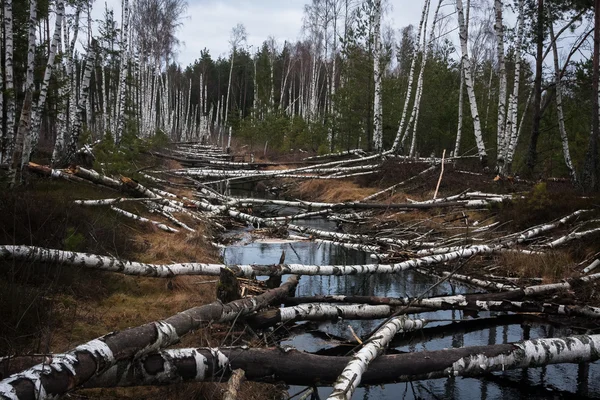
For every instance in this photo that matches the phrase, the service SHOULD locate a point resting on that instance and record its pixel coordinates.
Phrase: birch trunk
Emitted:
(277, 364)
(81, 105)
(321, 312)
(460, 110)
(501, 135)
(377, 105)
(513, 131)
(559, 110)
(351, 376)
(400, 134)
(36, 114)
(8, 144)
(107, 263)
(426, 50)
(24, 129)
(469, 83)
(124, 59)
(66, 91)
(226, 112)
(97, 356)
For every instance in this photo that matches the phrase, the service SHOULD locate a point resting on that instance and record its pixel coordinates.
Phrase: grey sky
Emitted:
(209, 22)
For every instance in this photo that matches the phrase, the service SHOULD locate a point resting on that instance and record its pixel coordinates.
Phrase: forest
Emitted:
(513, 89)
(365, 211)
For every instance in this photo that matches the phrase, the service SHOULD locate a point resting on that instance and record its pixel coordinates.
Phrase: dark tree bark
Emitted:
(537, 111)
(298, 368)
(590, 173)
(99, 355)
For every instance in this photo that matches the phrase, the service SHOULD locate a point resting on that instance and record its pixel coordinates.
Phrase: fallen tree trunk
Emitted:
(298, 368)
(14, 364)
(77, 367)
(320, 312)
(113, 264)
(135, 217)
(352, 374)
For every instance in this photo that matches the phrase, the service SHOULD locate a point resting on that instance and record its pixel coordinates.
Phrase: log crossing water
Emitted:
(555, 381)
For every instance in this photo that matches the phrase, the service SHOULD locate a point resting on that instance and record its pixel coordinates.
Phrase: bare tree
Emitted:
(238, 37)
(155, 24)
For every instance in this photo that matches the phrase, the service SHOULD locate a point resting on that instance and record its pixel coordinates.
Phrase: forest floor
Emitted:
(52, 309)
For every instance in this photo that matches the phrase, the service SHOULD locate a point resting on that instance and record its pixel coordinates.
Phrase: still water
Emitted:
(556, 382)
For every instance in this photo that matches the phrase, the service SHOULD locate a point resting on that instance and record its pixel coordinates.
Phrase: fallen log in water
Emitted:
(352, 374)
(320, 312)
(298, 368)
(13, 364)
(113, 264)
(44, 381)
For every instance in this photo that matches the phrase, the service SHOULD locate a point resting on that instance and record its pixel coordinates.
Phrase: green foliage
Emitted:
(112, 158)
(73, 241)
(282, 133)
(537, 200)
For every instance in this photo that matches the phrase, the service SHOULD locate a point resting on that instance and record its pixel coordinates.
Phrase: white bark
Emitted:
(501, 135)
(400, 134)
(480, 282)
(512, 133)
(414, 119)
(36, 114)
(377, 75)
(393, 187)
(9, 91)
(591, 267)
(24, 129)
(81, 104)
(124, 60)
(159, 225)
(571, 236)
(559, 111)
(351, 376)
(226, 111)
(469, 82)
(460, 110)
(113, 264)
(321, 312)
(527, 354)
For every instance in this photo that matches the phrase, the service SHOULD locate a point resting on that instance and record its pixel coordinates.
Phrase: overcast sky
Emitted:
(208, 23)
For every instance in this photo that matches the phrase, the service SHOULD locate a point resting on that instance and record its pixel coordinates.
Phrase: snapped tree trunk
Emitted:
(91, 359)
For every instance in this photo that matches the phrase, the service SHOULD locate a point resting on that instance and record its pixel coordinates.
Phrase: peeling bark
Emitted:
(299, 368)
(352, 374)
(45, 381)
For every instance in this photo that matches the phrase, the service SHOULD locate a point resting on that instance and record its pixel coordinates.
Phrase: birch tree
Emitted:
(501, 135)
(36, 113)
(8, 140)
(401, 128)
(462, 27)
(237, 38)
(122, 73)
(559, 109)
(377, 105)
(24, 131)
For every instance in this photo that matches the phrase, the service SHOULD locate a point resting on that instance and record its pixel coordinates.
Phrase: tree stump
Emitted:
(228, 288)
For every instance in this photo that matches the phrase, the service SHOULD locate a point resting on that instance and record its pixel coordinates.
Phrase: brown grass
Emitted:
(551, 267)
(331, 191)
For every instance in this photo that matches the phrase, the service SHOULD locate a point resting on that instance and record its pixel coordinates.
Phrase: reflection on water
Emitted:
(555, 381)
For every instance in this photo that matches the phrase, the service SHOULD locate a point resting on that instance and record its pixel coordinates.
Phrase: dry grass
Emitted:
(551, 267)
(331, 191)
